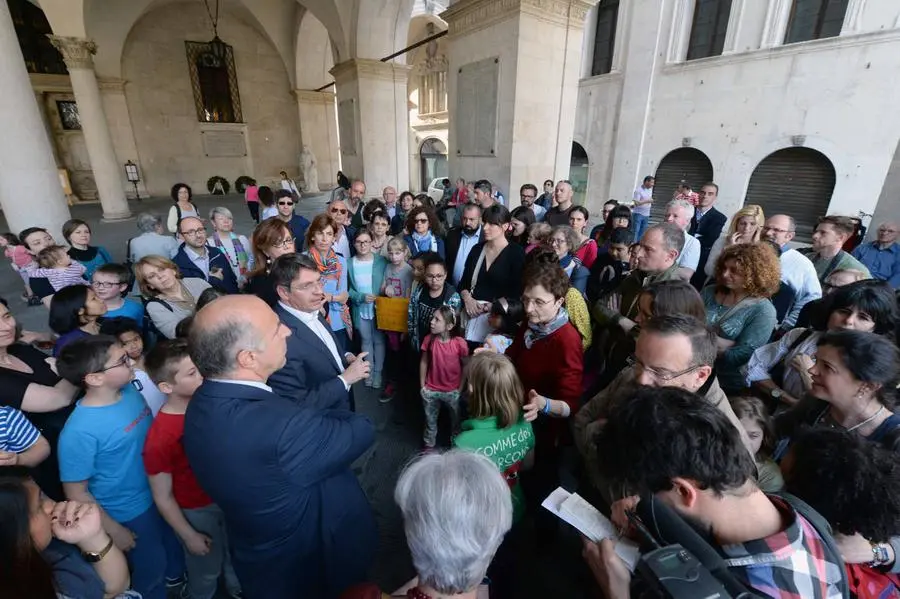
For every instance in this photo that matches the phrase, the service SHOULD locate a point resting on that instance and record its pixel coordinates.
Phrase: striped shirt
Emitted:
(17, 434)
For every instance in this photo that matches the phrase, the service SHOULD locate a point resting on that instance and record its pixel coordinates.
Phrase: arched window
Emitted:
(815, 19)
(433, 156)
(683, 164)
(579, 166)
(793, 181)
(214, 81)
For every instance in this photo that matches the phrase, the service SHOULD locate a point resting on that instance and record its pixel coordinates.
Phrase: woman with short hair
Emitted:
(564, 241)
(168, 297)
(333, 267)
(235, 247)
(271, 238)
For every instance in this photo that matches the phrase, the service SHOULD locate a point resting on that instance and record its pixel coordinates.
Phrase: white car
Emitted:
(436, 189)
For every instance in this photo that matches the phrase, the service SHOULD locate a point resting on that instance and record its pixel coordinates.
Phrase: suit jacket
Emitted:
(217, 259)
(707, 231)
(298, 522)
(309, 376)
(452, 243)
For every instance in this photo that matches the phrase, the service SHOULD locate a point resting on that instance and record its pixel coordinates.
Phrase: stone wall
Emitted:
(161, 103)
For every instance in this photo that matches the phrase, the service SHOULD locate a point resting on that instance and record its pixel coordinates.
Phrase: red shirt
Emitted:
(164, 452)
(553, 367)
(444, 362)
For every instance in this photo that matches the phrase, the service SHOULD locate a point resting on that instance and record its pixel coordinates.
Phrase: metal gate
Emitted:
(683, 164)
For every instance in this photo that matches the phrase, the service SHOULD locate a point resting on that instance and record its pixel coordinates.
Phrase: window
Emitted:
(433, 92)
(605, 37)
(214, 82)
(68, 115)
(815, 19)
(708, 28)
(32, 30)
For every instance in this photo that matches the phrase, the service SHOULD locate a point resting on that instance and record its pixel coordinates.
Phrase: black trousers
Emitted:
(254, 211)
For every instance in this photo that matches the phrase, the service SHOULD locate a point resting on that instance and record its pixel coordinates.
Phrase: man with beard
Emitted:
(460, 241)
(528, 197)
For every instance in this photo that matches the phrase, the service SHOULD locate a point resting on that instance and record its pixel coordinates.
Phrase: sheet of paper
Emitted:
(573, 509)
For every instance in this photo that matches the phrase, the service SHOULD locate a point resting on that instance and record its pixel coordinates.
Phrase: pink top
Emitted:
(445, 366)
(19, 255)
(251, 193)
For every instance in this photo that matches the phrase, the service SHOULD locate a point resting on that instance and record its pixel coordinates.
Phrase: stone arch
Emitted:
(796, 181)
(681, 164)
(315, 53)
(433, 159)
(380, 28)
(579, 172)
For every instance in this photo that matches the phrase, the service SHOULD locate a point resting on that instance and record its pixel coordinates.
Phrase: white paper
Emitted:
(573, 509)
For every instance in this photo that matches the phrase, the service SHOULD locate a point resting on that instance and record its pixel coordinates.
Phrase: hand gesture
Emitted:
(618, 509)
(608, 569)
(736, 238)
(370, 299)
(614, 302)
(536, 403)
(198, 543)
(358, 369)
(75, 523)
(8, 458)
(471, 305)
(802, 363)
(389, 291)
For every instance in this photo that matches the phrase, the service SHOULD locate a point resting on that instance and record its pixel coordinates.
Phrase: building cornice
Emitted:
(77, 52)
(309, 96)
(468, 16)
(364, 68)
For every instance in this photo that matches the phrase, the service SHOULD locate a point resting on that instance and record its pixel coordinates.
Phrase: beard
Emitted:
(469, 230)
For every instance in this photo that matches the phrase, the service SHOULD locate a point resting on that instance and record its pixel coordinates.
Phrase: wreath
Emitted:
(222, 182)
(242, 182)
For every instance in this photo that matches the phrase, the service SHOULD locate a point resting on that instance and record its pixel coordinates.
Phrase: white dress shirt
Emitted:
(311, 320)
(257, 384)
(466, 243)
(342, 245)
(202, 262)
(690, 253)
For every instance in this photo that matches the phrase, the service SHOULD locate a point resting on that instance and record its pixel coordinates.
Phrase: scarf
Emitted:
(535, 332)
(239, 252)
(568, 264)
(424, 243)
(330, 267)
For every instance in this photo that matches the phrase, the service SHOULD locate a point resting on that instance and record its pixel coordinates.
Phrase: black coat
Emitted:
(707, 231)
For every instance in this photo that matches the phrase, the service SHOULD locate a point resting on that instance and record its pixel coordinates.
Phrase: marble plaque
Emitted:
(347, 124)
(224, 144)
(476, 108)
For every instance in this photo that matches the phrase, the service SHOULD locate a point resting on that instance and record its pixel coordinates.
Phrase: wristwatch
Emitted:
(92, 557)
(776, 393)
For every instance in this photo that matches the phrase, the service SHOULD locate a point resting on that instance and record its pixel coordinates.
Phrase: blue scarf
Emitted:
(569, 263)
(534, 332)
(424, 243)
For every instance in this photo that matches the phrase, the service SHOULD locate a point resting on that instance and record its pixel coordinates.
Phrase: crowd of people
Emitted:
(190, 425)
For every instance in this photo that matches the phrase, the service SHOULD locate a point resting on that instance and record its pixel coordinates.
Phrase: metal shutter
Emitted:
(683, 164)
(793, 181)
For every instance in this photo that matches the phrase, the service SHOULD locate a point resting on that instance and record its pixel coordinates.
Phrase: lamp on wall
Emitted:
(217, 47)
(134, 177)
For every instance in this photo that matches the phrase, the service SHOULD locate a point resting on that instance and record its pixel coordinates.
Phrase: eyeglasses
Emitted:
(557, 241)
(193, 232)
(122, 362)
(339, 211)
(283, 243)
(436, 277)
(104, 284)
(527, 196)
(777, 230)
(660, 375)
(285, 203)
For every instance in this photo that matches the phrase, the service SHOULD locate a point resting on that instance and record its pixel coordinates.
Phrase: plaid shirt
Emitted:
(791, 564)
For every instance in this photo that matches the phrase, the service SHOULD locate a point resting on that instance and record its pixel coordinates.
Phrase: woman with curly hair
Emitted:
(738, 307)
(423, 227)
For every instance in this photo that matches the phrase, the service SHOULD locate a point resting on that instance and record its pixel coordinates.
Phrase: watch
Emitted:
(92, 557)
(776, 393)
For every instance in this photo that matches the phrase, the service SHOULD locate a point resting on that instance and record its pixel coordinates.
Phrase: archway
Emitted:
(578, 173)
(793, 181)
(433, 156)
(683, 164)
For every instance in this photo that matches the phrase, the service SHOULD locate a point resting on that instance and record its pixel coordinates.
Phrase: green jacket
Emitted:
(629, 290)
(506, 447)
(358, 298)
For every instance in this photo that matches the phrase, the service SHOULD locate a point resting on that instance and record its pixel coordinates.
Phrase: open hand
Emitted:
(536, 403)
(358, 369)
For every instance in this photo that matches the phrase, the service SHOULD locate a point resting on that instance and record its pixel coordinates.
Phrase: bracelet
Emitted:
(880, 556)
(546, 409)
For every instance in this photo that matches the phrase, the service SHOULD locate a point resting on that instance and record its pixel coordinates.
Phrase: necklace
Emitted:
(867, 420)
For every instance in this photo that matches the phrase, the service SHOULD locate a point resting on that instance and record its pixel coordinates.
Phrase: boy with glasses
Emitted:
(285, 203)
(100, 461)
(110, 284)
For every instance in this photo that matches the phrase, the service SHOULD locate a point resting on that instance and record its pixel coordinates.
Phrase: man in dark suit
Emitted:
(298, 522)
(706, 226)
(196, 259)
(460, 240)
(315, 374)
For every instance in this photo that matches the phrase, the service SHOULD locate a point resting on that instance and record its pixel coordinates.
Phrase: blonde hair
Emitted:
(157, 262)
(540, 231)
(753, 211)
(494, 388)
(49, 256)
(398, 243)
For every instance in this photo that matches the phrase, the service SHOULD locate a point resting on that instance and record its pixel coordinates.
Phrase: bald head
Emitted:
(193, 232)
(887, 233)
(237, 337)
(357, 191)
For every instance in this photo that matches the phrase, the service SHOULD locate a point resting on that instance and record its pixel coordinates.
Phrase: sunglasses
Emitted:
(285, 203)
(421, 220)
(339, 211)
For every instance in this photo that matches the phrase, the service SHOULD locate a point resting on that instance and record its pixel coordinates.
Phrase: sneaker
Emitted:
(171, 583)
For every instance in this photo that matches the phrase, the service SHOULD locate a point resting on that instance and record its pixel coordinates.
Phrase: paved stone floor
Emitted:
(398, 423)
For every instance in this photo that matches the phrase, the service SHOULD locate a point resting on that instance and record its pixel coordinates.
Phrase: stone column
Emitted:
(108, 173)
(512, 89)
(118, 119)
(373, 118)
(319, 131)
(30, 190)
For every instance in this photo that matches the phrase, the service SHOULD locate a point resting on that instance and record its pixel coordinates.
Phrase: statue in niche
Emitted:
(308, 166)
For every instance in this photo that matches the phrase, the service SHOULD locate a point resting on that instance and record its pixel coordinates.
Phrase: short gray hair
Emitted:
(147, 223)
(569, 233)
(456, 509)
(220, 211)
(673, 236)
(214, 348)
(684, 204)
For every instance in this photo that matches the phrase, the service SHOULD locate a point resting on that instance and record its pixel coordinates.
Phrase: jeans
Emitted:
(254, 211)
(372, 343)
(204, 570)
(640, 225)
(156, 555)
(431, 402)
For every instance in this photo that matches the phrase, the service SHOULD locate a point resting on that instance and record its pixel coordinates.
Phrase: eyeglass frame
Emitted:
(287, 240)
(633, 362)
(124, 361)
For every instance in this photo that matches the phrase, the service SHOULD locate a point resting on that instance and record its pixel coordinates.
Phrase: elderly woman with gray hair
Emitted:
(235, 247)
(152, 241)
(456, 510)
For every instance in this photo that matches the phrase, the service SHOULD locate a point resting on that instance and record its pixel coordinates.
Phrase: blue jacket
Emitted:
(413, 252)
(298, 521)
(357, 298)
(309, 375)
(217, 259)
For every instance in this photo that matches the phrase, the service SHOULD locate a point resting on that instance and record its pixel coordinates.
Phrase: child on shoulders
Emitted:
(58, 268)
